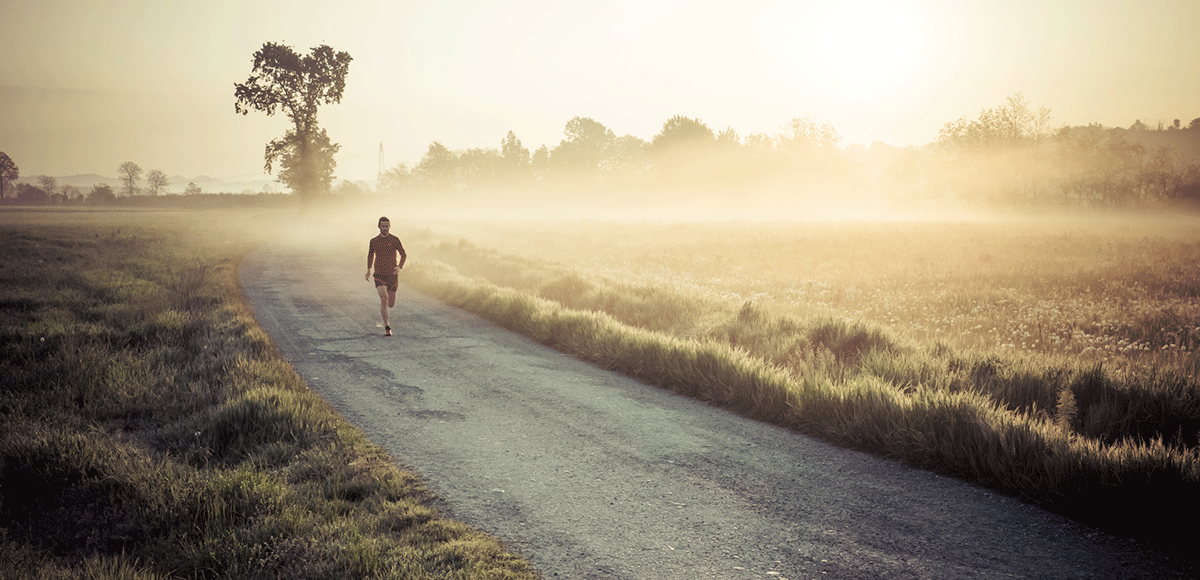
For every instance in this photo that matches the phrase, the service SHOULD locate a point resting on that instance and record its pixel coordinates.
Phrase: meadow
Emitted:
(151, 430)
(1051, 359)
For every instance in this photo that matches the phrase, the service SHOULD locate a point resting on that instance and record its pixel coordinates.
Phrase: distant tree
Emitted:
(759, 143)
(1012, 124)
(806, 145)
(1175, 126)
(28, 194)
(629, 155)
(156, 182)
(282, 79)
(1101, 167)
(585, 149)
(347, 189)
(101, 194)
(8, 172)
(49, 185)
(129, 173)
(438, 167)
(515, 158)
(1195, 124)
(539, 162)
(728, 138)
(70, 194)
(395, 180)
(480, 167)
(192, 189)
(682, 149)
(681, 133)
(1138, 125)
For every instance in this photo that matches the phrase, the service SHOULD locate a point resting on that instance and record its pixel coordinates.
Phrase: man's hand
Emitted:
(368, 276)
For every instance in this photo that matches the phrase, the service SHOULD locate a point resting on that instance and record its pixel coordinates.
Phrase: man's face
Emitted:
(384, 227)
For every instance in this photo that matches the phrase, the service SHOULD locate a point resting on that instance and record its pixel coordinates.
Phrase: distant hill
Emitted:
(176, 184)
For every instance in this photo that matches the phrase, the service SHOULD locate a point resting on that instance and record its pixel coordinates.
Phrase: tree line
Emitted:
(45, 190)
(590, 154)
(1009, 156)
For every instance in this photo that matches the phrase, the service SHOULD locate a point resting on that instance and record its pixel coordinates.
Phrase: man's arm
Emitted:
(370, 258)
(403, 256)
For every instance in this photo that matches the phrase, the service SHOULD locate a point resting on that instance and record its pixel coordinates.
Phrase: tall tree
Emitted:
(682, 134)
(101, 194)
(70, 194)
(283, 80)
(585, 150)
(8, 172)
(438, 167)
(629, 156)
(130, 174)
(396, 179)
(805, 136)
(49, 185)
(516, 166)
(728, 139)
(480, 166)
(156, 182)
(539, 162)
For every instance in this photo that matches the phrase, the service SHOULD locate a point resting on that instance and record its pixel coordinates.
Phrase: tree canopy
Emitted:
(8, 172)
(156, 182)
(681, 132)
(130, 173)
(284, 80)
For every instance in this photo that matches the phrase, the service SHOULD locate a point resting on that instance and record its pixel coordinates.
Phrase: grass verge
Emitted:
(1114, 450)
(150, 430)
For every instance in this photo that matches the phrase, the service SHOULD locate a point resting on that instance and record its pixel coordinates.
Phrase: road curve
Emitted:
(590, 474)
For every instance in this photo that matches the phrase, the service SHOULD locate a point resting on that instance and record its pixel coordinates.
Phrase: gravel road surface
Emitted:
(590, 474)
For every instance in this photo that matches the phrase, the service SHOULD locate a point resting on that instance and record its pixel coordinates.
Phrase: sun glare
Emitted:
(854, 50)
(866, 46)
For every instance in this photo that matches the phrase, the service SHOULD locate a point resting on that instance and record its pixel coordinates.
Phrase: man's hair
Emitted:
(384, 219)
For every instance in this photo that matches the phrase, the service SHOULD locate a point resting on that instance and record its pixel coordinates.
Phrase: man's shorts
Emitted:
(392, 281)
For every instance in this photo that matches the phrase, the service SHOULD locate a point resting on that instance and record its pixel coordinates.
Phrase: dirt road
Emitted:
(590, 474)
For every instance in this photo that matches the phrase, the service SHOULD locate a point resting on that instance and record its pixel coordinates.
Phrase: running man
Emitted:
(382, 253)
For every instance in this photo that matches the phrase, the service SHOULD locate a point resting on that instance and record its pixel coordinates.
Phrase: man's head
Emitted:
(384, 225)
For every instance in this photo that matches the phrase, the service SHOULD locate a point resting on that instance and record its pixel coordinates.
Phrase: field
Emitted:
(150, 429)
(1049, 359)
(1052, 360)
(1108, 290)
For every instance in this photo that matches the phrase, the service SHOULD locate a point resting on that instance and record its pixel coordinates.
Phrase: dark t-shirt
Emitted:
(382, 252)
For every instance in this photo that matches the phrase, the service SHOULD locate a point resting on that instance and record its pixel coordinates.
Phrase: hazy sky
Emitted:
(88, 84)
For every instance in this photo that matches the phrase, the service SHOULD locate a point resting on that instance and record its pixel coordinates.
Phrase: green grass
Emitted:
(150, 429)
(1103, 434)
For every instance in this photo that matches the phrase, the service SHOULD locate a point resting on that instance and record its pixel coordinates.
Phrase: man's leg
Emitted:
(383, 304)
